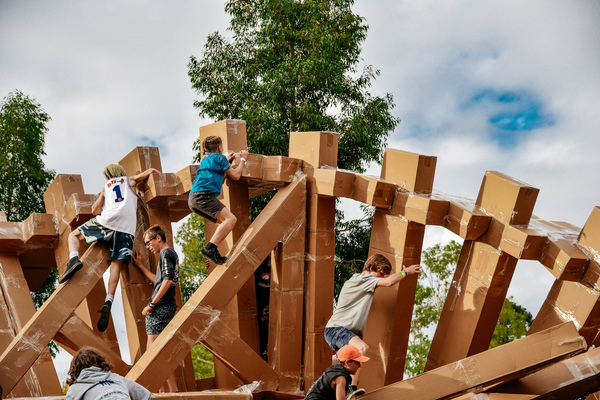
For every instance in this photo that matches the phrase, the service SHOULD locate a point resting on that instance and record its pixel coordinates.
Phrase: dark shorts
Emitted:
(120, 244)
(205, 204)
(160, 317)
(337, 337)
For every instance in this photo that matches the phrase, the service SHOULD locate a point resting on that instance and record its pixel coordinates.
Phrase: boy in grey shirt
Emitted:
(347, 324)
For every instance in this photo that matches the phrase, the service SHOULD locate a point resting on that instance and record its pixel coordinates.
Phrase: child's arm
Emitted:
(236, 173)
(135, 179)
(339, 384)
(138, 263)
(97, 206)
(397, 277)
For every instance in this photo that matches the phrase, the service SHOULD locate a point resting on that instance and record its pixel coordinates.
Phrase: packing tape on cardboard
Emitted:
(146, 162)
(213, 315)
(298, 223)
(466, 373)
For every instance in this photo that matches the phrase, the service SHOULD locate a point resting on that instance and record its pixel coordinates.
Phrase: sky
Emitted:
(505, 85)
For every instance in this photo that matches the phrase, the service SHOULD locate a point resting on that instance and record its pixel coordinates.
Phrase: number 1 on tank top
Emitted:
(117, 190)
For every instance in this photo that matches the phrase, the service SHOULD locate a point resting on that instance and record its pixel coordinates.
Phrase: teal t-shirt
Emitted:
(211, 173)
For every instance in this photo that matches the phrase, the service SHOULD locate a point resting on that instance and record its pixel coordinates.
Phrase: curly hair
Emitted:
(85, 358)
(379, 263)
(211, 144)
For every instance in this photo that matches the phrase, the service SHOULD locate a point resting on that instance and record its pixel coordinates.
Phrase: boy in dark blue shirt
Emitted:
(207, 187)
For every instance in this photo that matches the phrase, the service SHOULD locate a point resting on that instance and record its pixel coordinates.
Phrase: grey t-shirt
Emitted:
(354, 303)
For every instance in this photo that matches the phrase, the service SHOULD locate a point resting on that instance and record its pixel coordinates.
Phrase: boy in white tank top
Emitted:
(116, 209)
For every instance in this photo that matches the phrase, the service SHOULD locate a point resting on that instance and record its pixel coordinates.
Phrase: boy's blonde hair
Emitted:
(155, 231)
(211, 144)
(378, 263)
(114, 171)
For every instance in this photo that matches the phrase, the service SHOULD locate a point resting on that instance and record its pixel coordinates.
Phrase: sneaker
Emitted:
(355, 393)
(104, 317)
(73, 266)
(213, 255)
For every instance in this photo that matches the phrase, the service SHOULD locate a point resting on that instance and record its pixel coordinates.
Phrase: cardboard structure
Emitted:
(294, 235)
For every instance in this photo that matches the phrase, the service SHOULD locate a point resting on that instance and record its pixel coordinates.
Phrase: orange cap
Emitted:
(349, 352)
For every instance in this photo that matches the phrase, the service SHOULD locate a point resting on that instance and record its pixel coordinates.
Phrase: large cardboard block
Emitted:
(280, 168)
(521, 243)
(564, 259)
(464, 220)
(33, 338)
(185, 179)
(473, 304)
(570, 301)
(410, 171)
(590, 234)
(253, 167)
(573, 378)
(507, 199)
(330, 181)
(61, 188)
(315, 148)
(396, 235)
(38, 228)
(420, 208)
(373, 191)
(11, 237)
(231, 131)
(140, 159)
(318, 301)
(195, 319)
(500, 364)
(159, 187)
(76, 212)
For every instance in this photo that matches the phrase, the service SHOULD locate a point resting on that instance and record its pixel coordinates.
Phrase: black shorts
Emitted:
(205, 204)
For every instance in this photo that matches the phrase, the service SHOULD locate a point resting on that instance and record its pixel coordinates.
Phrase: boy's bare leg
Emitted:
(363, 348)
(115, 272)
(226, 221)
(74, 240)
(172, 381)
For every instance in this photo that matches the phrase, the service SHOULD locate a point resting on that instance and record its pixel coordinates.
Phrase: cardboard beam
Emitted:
(195, 321)
(500, 364)
(33, 338)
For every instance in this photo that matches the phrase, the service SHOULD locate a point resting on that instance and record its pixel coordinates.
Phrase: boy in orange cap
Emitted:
(335, 382)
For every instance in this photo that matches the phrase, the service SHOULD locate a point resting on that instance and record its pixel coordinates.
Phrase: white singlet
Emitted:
(119, 211)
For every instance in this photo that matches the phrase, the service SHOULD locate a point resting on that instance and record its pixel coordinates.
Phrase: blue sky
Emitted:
(500, 85)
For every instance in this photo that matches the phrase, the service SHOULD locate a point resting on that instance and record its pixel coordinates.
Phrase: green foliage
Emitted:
(513, 323)
(439, 263)
(204, 362)
(190, 236)
(291, 65)
(23, 176)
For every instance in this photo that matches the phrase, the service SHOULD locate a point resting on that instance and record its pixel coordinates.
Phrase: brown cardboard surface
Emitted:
(473, 304)
(196, 318)
(253, 167)
(185, 178)
(231, 131)
(590, 234)
(140, 159)
(373, 191)
(47, 321)
(521, 243)
(420, 208)
(317, 357)
(280, 168)
(315, 148)
(61, 188)
(410, 171)
(507, 199)
(207, 395)
(503, 363)
(159, 187)
(330, 181)
(570, 301)
(564, 259)
(573, 378)
(321, 214)
(396, 235)
(464, 220)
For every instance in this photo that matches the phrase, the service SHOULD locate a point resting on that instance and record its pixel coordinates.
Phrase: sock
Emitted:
(73, 254)
(210, 245)
(109, 298)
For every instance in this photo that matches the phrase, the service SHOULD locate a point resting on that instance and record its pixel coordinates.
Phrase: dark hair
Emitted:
(85, 358)
(211, 144)
(378, 263)
(155, 231)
